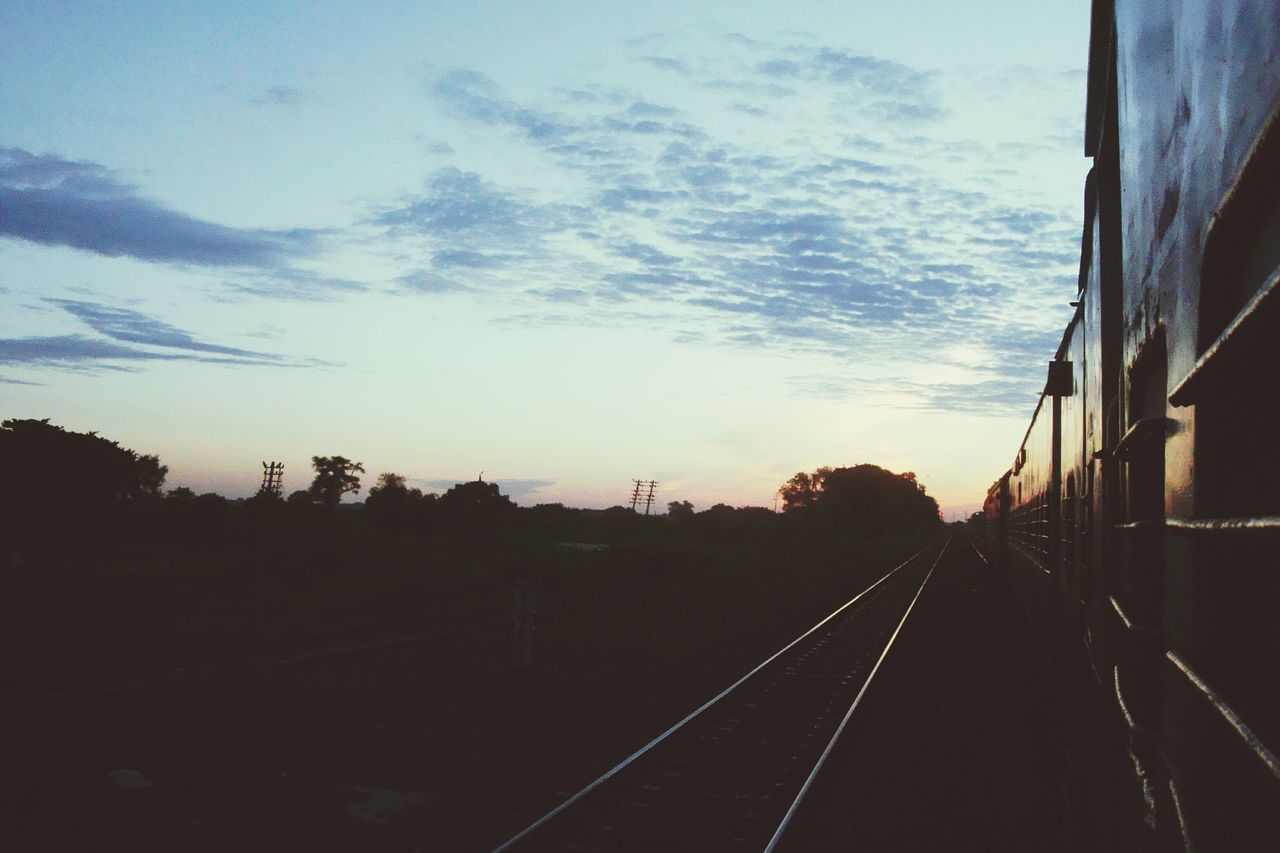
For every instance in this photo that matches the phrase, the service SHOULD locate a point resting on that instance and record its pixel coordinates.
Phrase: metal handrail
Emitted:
(1180, 812)
(1136, 628)
(1255, 744)
(1140, 526)
(1142, 430)
(1186, 392)
(1190, 526)
(1138, 730)
(1259, 524)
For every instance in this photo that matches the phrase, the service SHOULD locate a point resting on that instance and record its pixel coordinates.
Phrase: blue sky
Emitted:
(568, 244)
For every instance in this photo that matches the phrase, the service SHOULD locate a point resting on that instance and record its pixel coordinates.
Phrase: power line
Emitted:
(643, 490)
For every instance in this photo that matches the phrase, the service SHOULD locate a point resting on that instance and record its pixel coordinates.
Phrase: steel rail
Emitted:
(831, 744)
(630, 759)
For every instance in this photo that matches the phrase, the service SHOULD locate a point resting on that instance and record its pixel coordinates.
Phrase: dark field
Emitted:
(208, 669)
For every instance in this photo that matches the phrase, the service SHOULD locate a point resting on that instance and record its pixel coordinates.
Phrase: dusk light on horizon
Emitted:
(569, 245)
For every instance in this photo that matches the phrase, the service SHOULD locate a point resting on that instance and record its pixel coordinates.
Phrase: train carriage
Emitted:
(1139, 519)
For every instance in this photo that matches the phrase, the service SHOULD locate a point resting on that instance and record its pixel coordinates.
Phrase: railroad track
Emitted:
(733, 773)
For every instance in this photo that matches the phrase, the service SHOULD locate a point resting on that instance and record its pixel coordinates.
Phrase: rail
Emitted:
(579, 795)
(831, 744)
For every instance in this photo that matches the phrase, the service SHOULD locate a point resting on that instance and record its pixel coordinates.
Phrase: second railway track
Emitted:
(732, 774)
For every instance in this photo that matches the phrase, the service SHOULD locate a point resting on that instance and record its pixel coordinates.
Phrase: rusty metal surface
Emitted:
(1139, 506)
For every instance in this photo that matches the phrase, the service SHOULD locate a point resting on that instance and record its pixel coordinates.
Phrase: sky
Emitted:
(567, 245)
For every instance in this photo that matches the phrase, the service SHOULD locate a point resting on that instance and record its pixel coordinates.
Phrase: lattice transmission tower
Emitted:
(272, 478)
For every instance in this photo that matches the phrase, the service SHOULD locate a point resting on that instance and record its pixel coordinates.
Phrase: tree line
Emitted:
(63, 481)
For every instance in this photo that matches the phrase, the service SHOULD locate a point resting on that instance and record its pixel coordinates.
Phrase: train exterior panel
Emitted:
(1139, 519)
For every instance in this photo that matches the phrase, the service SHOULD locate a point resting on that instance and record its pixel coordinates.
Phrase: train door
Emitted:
(1137, 600)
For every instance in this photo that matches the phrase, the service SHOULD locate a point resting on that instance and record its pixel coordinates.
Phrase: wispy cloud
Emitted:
(127, 326)
(49, 200)
(72, 350)
(280, 96)
(889, 242)
(127, 336)
(666, 63)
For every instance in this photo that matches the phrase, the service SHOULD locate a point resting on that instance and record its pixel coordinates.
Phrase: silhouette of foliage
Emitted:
(335, 476)
(803, 489)
(61, 478)
(680, 510)
(392, 505)
(863, 498)
(476, 507)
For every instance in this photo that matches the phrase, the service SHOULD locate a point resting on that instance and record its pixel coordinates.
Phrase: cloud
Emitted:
(73, 349)
(467, 224)
(126, 326)
(666, 63)
(292, 283)
(127, 336)
(280, 96)
(473, 95)
(762, 227)
(456, 202)
(52, 201)
(428, 282)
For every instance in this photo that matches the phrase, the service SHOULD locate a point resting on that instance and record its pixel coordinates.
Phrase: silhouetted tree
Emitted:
(680, 510)
(335, 476)
(58, 477)
(803, 489)
(301, 497)
(476, 507)
(476, 496)
(392, 505)
(148, 476)
(863, 498)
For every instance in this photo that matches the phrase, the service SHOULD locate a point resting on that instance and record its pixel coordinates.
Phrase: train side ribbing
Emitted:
(1138, 519)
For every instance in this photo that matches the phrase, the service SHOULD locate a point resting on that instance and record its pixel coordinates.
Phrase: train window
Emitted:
(1242, 251)
(1239, 303)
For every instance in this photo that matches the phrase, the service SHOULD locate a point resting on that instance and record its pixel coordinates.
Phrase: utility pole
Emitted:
(272, 478)
(643, 490)
(648, 501)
